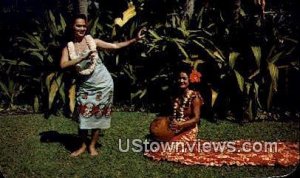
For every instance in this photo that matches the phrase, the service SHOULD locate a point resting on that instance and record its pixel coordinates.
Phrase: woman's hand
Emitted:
(176, 125)
(86, 53)
(141, 34)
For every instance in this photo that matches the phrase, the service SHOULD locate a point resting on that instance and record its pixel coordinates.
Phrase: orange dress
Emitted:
(186, 149)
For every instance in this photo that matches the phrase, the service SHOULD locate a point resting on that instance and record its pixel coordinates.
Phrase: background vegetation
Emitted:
(248, 54)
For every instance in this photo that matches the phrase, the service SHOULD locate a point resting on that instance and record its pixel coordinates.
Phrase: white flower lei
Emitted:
(92, 46)
(186, 101)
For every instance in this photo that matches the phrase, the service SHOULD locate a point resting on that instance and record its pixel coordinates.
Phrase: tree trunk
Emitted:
(188, 11)
(236, 11)
(83, 7)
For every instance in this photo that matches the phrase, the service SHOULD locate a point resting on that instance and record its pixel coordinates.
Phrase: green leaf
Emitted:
(133, 95)
(132, 28)
(36, 42)
(54, 87)
(130, 75)
(94, 27)
(182, 50)
(240, 80)
(26, 40)
(270, 96)
(53, 25)
(164, 88)
(256, 88)
(143, 93)
(290, 39)
(233, 56)
(154, 34)
(218, 52)
(256, 50)
(200, 18)
(274, 72)
(275, 57)
(242, 12)
(4, 89)
(14, 62)
(197, 62)
(248, 87)
(52, 93)
(62, 22)
(38, 55)
(11, 86)
(49, 79)
(62, 92)
(250, 109)
(117, 59)
(214, 54)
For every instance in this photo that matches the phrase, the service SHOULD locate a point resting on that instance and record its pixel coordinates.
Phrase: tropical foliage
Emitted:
(246, 52)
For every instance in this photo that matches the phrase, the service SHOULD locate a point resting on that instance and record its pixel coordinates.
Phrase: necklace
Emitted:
(180, 104)
(79, 47)
(74, 54)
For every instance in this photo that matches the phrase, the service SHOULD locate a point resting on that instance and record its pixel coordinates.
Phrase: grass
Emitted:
(22, 154)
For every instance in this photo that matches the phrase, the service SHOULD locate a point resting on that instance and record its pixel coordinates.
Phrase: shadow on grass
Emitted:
(71, 142)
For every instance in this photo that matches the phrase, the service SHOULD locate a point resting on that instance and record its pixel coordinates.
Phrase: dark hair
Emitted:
(79, 16)
(68, 34)
(183, 67)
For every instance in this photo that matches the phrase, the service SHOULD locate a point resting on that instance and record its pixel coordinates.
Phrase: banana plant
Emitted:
(9, 86)
(41, 49)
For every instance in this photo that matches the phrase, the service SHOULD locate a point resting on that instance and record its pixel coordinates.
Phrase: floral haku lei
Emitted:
(72, 53)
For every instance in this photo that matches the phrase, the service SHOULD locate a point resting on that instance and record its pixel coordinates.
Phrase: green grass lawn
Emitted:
(22, 154)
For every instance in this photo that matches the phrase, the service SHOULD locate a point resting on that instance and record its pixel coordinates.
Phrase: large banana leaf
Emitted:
(55, 85)
(127, 15)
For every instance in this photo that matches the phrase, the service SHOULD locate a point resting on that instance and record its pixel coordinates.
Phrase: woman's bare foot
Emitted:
(93, 151)
(78, 152)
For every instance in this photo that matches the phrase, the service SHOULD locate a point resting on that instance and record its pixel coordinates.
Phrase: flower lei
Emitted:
(185, 102)
(72, 53)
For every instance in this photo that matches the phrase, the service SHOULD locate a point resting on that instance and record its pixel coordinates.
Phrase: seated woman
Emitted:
(175, 136)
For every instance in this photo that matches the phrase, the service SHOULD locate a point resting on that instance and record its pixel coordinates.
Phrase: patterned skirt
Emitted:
(95, 98)
(185, 149)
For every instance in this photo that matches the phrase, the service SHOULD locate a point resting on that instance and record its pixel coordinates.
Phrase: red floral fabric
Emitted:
(287, 153)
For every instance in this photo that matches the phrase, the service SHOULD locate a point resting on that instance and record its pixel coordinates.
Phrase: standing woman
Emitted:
(95, 85)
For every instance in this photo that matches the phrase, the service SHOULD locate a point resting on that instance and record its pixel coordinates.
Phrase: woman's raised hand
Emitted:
(141, 34)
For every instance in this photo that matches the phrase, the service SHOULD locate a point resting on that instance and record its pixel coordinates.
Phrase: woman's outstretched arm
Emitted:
(106, 45)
